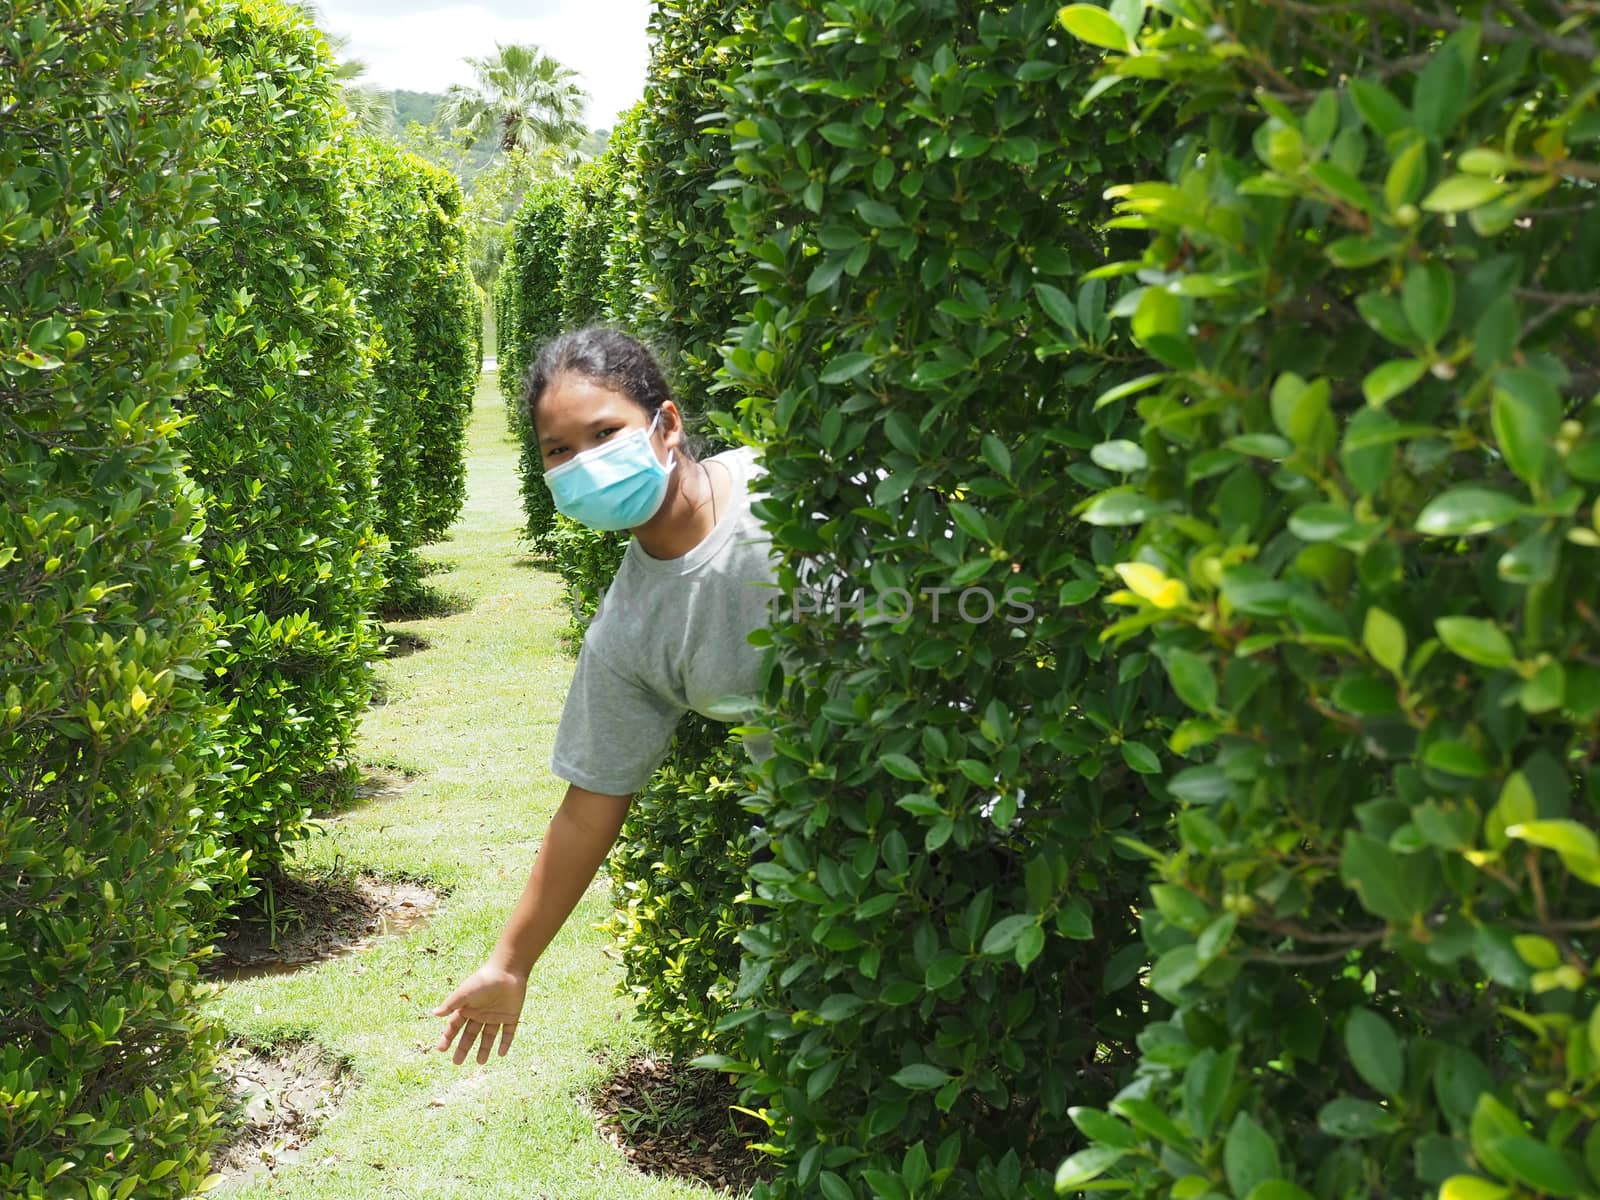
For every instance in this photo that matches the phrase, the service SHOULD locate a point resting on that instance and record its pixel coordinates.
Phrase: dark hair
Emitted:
(610, 358)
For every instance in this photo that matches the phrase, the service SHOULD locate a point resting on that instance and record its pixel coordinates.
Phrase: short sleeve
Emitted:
(614, 731)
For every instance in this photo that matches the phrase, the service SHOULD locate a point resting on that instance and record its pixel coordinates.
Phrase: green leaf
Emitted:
(1429, 299)
(877, 213)
(902, 766)
(1193, 679)
(1376, 874)
(1249, 1156)
(1375, 1052)
(1576, 844)
(1540, 1167)
(1141, 758)
(1349, 1118)
(1057, 306)
(1120, 507)
(1387, 380)
(1279, 1189)
(1004, 934)
(1526, 415)
(1320, 522)
(1385, 639)
(1467, 511)
(1099, 1126)
(1455, 758)
(1378, 107)
(1085, 1165)
(1476, 640)
(847, 367)
(921, 1077)
(833, 1187)
(1092, 24)
(1458, 193)
(1121, 456)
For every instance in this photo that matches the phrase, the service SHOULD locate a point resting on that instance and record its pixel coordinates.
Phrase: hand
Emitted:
(487, 1003)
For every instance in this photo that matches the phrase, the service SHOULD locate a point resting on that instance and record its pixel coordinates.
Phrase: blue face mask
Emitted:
(615, 486)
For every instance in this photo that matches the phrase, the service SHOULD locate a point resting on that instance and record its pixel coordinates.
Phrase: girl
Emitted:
(671, 633)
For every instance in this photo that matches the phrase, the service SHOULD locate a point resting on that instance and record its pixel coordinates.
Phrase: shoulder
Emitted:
(744, 464)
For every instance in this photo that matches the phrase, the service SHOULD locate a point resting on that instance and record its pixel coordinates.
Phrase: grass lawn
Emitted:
(473, 716)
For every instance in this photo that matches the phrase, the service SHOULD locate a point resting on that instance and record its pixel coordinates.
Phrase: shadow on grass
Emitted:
(425, 602)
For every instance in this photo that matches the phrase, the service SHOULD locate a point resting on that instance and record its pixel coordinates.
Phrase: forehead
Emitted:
(573, 405)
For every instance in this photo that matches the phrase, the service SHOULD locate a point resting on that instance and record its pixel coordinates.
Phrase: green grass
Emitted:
(473, 715)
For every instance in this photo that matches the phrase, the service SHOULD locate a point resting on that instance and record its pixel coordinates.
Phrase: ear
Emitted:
(671, 428)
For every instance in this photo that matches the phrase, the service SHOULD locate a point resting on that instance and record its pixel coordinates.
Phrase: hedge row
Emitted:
(329, 420)
(1256, 861)
(948, 960)
(104, 722)
(1363, 479)
(203, 319)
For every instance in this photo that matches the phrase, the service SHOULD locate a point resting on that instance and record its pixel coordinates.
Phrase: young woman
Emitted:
(670, 636)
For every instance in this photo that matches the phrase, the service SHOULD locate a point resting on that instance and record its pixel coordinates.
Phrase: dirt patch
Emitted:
(279, 1098)
(677, 1120)
(307, 920)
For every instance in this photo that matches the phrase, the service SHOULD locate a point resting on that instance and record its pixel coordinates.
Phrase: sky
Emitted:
(419, 45)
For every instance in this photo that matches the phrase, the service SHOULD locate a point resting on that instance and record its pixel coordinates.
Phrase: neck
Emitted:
(685, 517)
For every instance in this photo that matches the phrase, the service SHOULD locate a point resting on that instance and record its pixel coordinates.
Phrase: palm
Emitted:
(486, 1005)
(523, 98)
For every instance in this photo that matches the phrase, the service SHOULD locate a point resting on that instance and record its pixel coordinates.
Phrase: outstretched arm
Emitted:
(489, 1001)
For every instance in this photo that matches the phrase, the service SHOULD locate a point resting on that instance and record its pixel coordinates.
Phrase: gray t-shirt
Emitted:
(671, 636)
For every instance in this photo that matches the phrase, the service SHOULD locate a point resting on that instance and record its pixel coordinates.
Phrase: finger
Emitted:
(448, 1004)
(486, 1043)
(469, 1036)
(452, 1027)
(507, 1032)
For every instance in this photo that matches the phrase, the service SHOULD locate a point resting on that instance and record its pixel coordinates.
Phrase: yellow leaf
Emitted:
(139, 700)
(1151, 584)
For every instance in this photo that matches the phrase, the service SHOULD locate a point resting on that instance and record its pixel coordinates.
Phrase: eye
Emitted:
(605, 433)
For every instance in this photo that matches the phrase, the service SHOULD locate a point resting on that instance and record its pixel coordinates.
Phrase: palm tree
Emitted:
(371, 109)
(523, 98)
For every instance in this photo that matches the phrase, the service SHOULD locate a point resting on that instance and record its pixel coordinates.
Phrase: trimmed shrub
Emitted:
(105, 726)
(529, 292)
(279, 429)
(691, 278)
(447, 328)
(949, 957)
(388, 265)
(678, 878)
(1363, 479)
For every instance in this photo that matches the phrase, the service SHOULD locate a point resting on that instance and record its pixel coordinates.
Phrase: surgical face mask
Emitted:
(615, 486)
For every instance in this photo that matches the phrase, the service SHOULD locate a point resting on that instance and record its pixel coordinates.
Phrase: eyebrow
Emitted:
(597, 423)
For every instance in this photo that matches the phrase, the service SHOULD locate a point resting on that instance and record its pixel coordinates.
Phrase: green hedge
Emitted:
(279, 426)
(419, 294)
(1363, 481)
(447, 323)
(949, 958)
(105, 727)
(391, 233)
(528, 292)
(691, 278)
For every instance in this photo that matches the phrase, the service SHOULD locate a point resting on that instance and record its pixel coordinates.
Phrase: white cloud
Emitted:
(603, 40)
